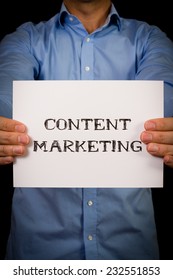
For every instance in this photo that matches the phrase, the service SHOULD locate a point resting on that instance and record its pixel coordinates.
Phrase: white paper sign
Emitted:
(87, 133)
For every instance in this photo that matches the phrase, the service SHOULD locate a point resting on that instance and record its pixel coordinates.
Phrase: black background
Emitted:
(12, 15)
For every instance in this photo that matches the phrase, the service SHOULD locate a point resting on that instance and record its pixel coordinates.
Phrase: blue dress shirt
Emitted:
(84, 223)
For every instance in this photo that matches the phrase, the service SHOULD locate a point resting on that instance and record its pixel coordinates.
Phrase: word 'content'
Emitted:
(87, 124)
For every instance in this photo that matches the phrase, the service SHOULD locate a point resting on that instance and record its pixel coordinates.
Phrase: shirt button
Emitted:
(87, 68)
(90, 237)
(70, 18)
(87, 40)
(90, 202)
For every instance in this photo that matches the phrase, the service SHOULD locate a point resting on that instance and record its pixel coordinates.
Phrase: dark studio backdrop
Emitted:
(12, 15)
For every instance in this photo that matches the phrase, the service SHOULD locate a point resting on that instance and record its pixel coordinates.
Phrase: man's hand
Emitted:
(13, 140)
(158, 136)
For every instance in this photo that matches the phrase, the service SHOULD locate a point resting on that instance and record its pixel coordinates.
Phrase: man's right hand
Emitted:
(13, 140)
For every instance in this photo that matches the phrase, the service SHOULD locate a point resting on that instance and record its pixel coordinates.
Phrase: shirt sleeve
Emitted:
(156, 62)
(16, 63)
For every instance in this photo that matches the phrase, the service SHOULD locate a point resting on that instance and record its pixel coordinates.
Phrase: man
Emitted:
(86, 40)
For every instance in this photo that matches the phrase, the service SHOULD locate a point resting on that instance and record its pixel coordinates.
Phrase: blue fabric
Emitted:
(59, 223)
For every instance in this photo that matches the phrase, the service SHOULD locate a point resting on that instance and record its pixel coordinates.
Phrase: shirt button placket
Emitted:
(87, 59)
(90, 222)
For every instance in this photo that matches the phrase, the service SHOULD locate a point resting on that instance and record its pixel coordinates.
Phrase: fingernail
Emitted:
(18, 150)
(153, 148)
(147, 137)
(150, 125)
(8, 160)
(23, 139)
(20, 128)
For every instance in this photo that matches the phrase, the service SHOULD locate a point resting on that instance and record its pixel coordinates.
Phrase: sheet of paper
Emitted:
(87, 133)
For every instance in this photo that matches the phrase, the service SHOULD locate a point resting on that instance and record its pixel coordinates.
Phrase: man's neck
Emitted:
(92, 14)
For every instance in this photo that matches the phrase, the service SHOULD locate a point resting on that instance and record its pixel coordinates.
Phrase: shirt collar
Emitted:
(113, 17)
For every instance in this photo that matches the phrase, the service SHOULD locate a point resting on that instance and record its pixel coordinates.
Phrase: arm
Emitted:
(156, 63)
(16, 63)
